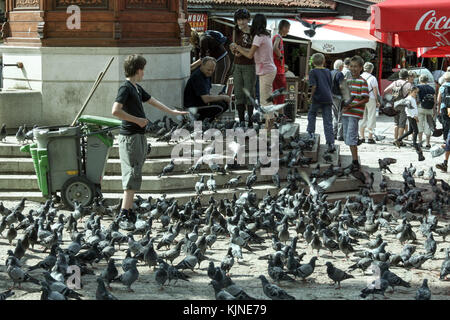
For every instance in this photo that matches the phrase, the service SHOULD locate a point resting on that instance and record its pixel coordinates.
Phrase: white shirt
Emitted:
(413, 112)
(372, 83)
(289, 74)
(437, 74)
(347, 73)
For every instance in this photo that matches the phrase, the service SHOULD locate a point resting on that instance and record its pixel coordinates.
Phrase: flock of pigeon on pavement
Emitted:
(187, 233)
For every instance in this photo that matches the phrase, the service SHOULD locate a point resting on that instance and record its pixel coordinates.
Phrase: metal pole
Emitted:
(94, 87)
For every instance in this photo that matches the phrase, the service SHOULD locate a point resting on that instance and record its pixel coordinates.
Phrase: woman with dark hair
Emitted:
(262, 51)
(244, 75)
(210, 45)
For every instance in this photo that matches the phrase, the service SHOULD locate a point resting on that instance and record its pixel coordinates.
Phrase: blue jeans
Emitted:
(327, 118)
(350, 128)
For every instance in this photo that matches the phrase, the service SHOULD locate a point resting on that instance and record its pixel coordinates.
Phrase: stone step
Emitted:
(152, 183)
(11, 149)
(346, 185)
(152, 166)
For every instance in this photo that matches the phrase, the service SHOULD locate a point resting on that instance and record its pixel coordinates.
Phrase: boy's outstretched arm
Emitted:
(164, 108)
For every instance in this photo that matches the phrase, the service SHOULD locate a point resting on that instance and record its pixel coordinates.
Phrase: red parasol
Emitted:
(412, 23)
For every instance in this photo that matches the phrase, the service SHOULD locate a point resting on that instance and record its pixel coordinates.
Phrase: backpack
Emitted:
(426, 94)
(446, 97)
(335, 89)
(218, 36)
(397, 92)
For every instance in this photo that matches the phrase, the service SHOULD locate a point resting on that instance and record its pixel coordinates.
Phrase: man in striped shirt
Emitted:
(353, 112)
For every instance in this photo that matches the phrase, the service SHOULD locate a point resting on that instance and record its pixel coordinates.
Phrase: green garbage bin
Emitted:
(72, 160)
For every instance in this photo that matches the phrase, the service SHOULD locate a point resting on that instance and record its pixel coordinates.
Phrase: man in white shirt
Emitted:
(441, 80)
(288, 73)
(370, 112)
(346, 70)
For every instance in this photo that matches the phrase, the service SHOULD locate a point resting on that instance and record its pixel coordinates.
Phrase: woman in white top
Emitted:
(370, 112)
(262, 51)
(412, 113)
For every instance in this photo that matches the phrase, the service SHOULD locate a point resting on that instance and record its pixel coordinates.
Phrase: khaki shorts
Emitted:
(400, 119)
(132, 152)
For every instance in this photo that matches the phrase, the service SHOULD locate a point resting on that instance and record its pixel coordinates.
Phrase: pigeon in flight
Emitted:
(311, 32)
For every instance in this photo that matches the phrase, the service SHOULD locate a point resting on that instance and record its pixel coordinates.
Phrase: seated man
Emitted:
(197, 97)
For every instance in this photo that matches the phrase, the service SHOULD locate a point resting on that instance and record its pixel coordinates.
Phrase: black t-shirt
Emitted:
(197, 86)
(321, 78)
(132, 104)
(211, 47)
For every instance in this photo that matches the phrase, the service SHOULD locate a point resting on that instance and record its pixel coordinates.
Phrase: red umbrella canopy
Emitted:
(433, 52)
(412, 23)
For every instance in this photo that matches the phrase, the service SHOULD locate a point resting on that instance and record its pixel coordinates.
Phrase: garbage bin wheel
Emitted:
(78, 189)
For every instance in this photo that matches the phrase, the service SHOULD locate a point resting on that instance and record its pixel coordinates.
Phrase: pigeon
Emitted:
(219, 293)
(130, 276)
(102, 293)
(235, 290)
(445, 267)
(316, 244)
(110, 273)
(161, 275)
(6, 294)
(48, 262)
(233, 182)
(200, 186)
(228, 261)
(276, 93)
(274, 292)
(60, 287)
(378, 286)
(20, 135)
(430, 245)
(167, 169)
(384, 164)
(49, 294)
(172, 272)
(3, 133)
(211, 184)
(336, 274)
(277, 273)
(311, 31)
(17, 275)
(251, 179)
(276, 180)
(190, 261)
(362, 264)
(305, 270)
(392, 278)
(423, 293)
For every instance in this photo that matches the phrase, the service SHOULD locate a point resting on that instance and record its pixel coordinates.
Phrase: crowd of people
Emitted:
(259, 67)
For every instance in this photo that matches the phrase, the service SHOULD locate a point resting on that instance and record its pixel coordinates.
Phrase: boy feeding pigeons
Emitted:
(132, 141)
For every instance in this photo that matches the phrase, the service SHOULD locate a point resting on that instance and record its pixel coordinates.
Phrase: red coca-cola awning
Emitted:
(412, 23)
(433, 52)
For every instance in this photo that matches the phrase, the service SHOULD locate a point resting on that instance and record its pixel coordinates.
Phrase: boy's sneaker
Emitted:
(340, 139)
(397, 143)
(371, 141)
(331, 148)
(421, 157)
(355, 167)
(442, 167)
(361, 141)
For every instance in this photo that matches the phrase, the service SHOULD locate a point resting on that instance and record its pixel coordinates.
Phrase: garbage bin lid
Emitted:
(101, 121)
